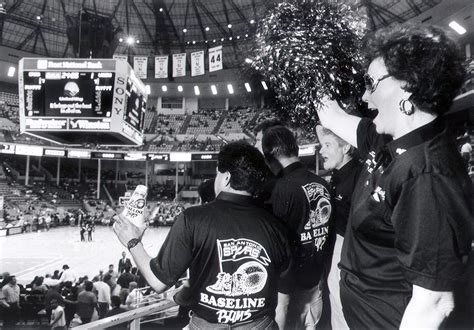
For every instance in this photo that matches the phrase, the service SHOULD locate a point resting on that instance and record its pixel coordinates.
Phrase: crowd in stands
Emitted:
(81, 299)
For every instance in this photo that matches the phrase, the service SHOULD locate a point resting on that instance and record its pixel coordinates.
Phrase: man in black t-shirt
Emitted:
(301, 199)
(234, 250)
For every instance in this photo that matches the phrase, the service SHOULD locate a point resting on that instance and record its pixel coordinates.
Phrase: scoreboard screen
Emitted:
(68, 94)
(79, 101)
(136, 106)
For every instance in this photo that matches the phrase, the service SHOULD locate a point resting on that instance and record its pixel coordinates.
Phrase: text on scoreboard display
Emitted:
(106, 155)
(204, 157)
(68, 93)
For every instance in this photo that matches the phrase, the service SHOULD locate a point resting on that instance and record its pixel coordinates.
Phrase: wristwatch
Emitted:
(132, 243)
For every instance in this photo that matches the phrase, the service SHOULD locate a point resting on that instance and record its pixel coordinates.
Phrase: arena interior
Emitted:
(64, 177)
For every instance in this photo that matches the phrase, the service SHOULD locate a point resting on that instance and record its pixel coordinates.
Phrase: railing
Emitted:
(152, 305)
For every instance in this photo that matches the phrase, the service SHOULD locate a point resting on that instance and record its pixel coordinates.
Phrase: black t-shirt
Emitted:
(301, 199)
(235, 252)
(342, 185)
(410, 224)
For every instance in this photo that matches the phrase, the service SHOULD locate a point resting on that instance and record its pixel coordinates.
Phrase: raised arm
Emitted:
(333, 117)
(127, 231)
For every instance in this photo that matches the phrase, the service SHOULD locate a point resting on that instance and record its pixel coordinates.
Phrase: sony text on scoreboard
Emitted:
(79, 101)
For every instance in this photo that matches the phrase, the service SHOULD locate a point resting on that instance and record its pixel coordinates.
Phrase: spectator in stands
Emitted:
(86, 302)
(114, 287)
(202, 232)
(112, 272)
(103, 297)
(11, 301)
(125, 278)
(123, 263)
(39, 286)
(56, 275)
(134, 297)
(116, 309)
(206, 191)
(68, 275)
(264, 197)
(302, 201)
(58, 317)
(52, 294)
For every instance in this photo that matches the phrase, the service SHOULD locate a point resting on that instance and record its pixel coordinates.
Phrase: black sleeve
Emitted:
(368, 139)
(432, 223)
(286, 205)
(176, 253)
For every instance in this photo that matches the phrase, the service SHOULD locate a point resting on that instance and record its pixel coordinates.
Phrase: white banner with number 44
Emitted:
(215, 58)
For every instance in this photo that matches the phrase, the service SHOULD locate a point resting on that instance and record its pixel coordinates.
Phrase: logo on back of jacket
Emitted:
(317, 228)
(237, 293)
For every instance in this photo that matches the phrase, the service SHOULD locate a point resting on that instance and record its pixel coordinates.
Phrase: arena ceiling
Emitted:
(164, 26)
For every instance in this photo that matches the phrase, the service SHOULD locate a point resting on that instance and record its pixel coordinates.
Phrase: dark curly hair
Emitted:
(425, 58)
(245, 164)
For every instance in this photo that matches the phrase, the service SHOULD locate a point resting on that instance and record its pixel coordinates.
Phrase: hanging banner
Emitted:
(215, 58)
(179, 65)
(121, 57)
(197, 63)
(140, 64)
(161, 66)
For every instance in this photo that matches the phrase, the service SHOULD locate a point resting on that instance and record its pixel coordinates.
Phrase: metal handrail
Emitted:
(133, 315)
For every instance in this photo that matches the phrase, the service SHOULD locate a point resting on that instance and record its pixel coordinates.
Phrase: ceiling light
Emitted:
(194, 42)
(229, 26)
(230, 88)
(207, 28)
(264, 84)
(214, 89)
(196, 90)
(252, 21)
(248, 60)
(161, 9)
(247, 87)
(120, 39)
(238, 37)
(148, 89)
(130, 40)
(11, 71)
(214, 40)
(164, 88)
(457, 27)
(180, 88)
(138, 41)
(38, 17)
(222, 39)
(246, 35)
(188, 43)
(206, 41)
(230, 38)
(185, 30)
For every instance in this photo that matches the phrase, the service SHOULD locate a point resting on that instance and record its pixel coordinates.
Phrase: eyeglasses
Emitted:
(371, 84)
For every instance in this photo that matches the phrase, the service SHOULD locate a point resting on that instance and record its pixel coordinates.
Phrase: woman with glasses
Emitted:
(409, 234)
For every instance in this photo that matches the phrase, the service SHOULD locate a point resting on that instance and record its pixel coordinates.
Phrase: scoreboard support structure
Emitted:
(81, 101)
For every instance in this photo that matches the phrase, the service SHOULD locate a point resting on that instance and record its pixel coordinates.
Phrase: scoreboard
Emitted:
(79, 101)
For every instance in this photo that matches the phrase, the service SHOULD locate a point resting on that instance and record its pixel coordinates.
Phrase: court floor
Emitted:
(30, 254)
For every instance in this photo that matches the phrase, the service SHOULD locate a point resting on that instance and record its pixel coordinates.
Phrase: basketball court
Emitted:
(40, 253)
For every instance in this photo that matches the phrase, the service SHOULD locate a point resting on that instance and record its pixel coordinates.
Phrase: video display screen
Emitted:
(68, 94)
(136, 107)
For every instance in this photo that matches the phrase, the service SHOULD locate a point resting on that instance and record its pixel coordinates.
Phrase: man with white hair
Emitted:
(340, 158)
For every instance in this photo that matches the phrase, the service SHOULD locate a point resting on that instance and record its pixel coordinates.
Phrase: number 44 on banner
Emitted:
(215, 58)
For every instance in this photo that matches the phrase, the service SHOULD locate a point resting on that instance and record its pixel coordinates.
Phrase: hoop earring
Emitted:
(406, 109)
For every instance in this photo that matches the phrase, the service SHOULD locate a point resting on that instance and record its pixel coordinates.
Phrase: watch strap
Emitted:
(132, 243)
